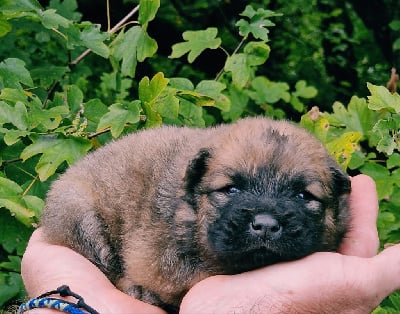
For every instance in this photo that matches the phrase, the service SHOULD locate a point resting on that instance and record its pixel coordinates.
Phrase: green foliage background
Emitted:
(68, 86)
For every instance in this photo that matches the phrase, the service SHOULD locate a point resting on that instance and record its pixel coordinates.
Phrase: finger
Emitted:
(386, 271)
(362, 239)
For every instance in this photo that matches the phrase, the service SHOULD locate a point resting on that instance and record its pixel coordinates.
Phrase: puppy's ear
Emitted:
(340, 181)
(196, 169)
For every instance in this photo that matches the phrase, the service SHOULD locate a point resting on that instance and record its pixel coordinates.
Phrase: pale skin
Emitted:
(355, 280)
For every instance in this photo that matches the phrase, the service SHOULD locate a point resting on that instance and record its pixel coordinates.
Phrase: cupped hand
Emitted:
(45, 267)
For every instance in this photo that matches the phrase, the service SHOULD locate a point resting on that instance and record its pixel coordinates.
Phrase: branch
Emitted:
(111, 31)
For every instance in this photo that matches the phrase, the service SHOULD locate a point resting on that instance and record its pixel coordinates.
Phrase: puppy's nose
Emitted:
(266, 227)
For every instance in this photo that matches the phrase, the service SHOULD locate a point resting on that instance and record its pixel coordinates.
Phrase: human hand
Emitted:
(46, 266)
(355, 280)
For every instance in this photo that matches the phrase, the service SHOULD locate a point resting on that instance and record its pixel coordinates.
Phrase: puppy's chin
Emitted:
(259, 254)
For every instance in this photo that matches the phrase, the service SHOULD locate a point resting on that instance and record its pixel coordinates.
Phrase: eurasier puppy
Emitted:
(161, 209)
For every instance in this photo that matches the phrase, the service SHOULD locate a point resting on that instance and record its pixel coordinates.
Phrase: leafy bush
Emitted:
(67, 87)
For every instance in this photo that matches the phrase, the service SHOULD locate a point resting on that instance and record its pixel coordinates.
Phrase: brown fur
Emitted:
(141, 207)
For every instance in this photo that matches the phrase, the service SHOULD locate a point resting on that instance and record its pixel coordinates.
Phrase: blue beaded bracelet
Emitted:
(44, 301)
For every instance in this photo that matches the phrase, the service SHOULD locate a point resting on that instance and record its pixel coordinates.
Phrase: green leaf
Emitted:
(167, 106)
(66, 8)
(393, 161)
(387, 130)
(191, 114)
(266, 92)
(95, 109)
(238, 66)
(5, 27)
(296, 103)
(14, 95)
(13, 264)
(118, 116)
(54, 152)
(93, 38)
(148, 10)
(181, 83)
(395, 25)
(17, 115)
(150, 90)
(11, 7)
(13, 73)
(153, 118)
(304, 91)
(13, 136)
(48, 119)
(195, 43)
(258, 22)
(214, 90)
(10, 286)
(356, 118)
(257, 53)
(74, 97)
(50, 19)
(48, 74)
(241, 64)
(13, 235)
(396, 44)
(343, 147)
(239, 100)
(381, 176)
(11, 199)
(132, 46)
(381, 98)
(196, 98)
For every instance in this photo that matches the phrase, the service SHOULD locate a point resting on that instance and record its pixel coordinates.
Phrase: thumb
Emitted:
(387, 270)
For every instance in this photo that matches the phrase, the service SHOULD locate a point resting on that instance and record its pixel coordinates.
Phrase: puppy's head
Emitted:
(266, 191)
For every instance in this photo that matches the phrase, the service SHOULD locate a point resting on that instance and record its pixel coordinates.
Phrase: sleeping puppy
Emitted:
(159, 210)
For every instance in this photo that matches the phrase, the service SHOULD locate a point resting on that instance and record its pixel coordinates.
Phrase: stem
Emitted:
(240, 45)
(127, 17)
(108, 16)
(30, 185)
(111, 31)
(218, 76)
(10, 161)
(90, 136)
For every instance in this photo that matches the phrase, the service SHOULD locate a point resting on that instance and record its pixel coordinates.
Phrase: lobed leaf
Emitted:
(258, 22)
(266, 91)
(149, 90)
(10, 286)
(195, 43)
(132, 46)
(13, 73)
(12, 199)
(93, 38)
(17, 115)
(118, 116)
(148, 10)
(257, 53)
(213, 89)
(50, 19)
(54, 152)
(238, 66)
(381, 98)
(343, 147)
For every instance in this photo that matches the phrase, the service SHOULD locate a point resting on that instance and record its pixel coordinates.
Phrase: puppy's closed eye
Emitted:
(230, 190)
(306, 196)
